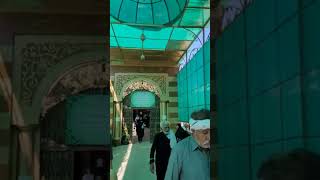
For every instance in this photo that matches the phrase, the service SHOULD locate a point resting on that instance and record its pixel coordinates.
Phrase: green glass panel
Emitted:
(113, 42)
(184, 34)
(199, 59)
(111, 32)
(206, 49)
(174, 9)
(113, 20)
(199, 3)
(207, 94)
(114, 8)
(128, 11)
(182, 4)
(160, 13)
(145, 14)
(188, 70)
(129, 43)
(195, 80)
(163, 33)
(193, 65)
(207, 106)
(207, 73)
(200, 77)
(200, 96)
(195, 17)
(126, 31)
(155, 44)
(195, 98)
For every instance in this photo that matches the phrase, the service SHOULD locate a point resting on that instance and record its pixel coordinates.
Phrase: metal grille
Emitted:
(57, 165)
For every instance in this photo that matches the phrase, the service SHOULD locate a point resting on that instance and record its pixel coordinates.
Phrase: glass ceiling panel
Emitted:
(126, 31)
(199, 3)
(113, 42)
(165, 35)
(111, 31)
(149, 17)
(126, 12)
(159, 12)
(155, 44)
(158, 34)
(196, 17)
(175, 10)
(184, 34)
(129, 43)
(145, 14)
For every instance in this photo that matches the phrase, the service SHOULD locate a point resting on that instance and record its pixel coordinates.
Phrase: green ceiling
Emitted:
(177, 35)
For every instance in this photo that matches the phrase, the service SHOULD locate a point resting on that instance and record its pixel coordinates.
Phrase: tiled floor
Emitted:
(137, 166)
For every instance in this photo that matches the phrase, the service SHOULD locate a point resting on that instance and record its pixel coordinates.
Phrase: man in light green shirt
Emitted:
(190, 159)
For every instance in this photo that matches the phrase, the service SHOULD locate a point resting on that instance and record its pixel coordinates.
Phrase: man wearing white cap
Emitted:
(190, 158)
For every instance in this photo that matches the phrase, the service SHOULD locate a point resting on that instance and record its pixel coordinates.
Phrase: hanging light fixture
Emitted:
(142, 37)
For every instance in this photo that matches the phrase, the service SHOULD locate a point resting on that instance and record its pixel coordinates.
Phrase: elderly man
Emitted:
(190, 159)
(162, 144)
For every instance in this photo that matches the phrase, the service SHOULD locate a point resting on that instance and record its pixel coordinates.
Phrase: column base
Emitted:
(116, 142)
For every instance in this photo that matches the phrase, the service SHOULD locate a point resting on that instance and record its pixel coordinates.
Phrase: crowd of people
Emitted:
(174, 152)
(185, 155)
(141, 121)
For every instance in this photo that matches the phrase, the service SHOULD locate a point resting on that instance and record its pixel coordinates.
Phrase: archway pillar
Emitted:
(164, 111)
(118, 119)
(28, 151)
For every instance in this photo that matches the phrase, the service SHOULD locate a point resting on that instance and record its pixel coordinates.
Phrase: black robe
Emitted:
(160, 145)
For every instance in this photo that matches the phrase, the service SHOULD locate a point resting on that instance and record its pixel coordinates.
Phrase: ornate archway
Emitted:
(154, 82)
(39, 62)
(80, 78)
(126, 83)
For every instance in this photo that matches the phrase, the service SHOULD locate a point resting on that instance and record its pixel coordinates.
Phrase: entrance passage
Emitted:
(141, 124)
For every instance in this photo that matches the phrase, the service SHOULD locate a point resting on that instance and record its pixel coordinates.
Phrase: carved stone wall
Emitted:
(141, 85)
(38, 54)
(94, 75)
(153, 82)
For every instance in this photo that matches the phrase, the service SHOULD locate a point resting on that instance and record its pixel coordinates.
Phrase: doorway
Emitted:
(129, 114)
(144, 115)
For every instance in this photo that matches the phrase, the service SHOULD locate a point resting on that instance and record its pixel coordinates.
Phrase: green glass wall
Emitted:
(194, 84)
(268, 85)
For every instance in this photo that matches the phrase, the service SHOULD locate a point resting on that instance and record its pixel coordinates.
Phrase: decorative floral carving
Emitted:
(37, 58)
(141, 85)
(80, 79)
(122, 79)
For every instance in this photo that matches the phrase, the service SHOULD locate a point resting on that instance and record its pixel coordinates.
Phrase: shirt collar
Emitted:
(194, 144)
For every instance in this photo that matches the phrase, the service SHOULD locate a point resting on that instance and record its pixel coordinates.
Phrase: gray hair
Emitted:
(163, 123)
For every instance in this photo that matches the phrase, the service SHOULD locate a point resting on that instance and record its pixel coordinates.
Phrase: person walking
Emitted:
(162, 144)
(190, 159)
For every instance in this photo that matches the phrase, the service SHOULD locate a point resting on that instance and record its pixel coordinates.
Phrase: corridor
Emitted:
(132, 161)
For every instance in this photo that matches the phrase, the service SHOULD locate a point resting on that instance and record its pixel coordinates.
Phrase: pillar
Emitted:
(28, 153)
(117, 125)
(163, 111)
